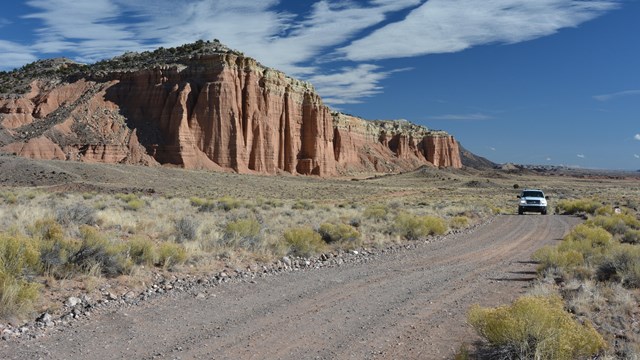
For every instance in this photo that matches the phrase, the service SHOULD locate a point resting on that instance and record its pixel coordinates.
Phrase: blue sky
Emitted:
(531, 82)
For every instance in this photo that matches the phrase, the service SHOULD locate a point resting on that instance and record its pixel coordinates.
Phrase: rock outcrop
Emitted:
(210, 110)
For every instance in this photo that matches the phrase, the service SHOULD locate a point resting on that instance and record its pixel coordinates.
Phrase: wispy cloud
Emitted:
(637, 137)
(351, 84)
(581, 156)
(492, 148)
(615, 95)
(302, 45)
(474, 116)
(636, 156)
(445, 26)
(4, 22)
(13, 55)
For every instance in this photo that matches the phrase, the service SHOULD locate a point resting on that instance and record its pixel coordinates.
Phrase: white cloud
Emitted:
(300, 44)
(637, 137)
(350, 84)
(636, 156)
(14, 55)
(611, 96)
(581, 156)
(474, 116)
(492, 148)
(444, 26)
(4, 22)
(548, 159)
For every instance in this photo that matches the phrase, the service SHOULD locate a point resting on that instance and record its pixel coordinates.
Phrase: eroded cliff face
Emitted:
(214, 111)
(391, 146)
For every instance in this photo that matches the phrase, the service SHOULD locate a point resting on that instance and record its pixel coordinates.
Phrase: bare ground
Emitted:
(408, 304)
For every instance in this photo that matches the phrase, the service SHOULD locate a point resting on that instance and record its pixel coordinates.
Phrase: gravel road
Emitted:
(406, 304)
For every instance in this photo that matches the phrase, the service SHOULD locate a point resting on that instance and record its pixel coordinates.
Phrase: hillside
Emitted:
(200, 106)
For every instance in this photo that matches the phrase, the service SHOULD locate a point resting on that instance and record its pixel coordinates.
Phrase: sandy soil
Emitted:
(408, 304)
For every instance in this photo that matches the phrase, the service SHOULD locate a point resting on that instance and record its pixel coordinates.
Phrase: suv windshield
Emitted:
(532, 194)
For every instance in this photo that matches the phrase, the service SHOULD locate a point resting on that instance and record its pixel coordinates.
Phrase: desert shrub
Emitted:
(203, 204)
(186, 229)
(588, 206)
(243, 232)
(616, 224)
(9, 198)
(304, 241)
(171, 254)
(143, 251)
(79, 214)
(631, 237)
(47, 229)
(126, 197)
(302, 205)
(535, 328)
(413, 227)
(587, 238)
(339, 233)
(459, 222)
(95, 250)
(376, 212)
(18, 257)
(134, 205)
(132, 201)
(55, 254)
(550, 258)
(228, 203)
(622, 264)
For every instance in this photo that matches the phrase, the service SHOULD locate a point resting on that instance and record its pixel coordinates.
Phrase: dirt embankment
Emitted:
(399, 305)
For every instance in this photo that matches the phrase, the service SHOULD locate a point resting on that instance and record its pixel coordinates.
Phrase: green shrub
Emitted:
(203, 204)
(132, 201)
(459, 222)
(339, 233)
(578, 206)
(19, 257)
(171, 254)
(621, 264)
(302, 205)
(228, 203)
(244, 233)
(616, 224)
(631, 237)
(376, 212)
(550, 258)
(414, 227)
(304, 241)
(143, 251)
(47, 229)
(535, 328)
(134, 205)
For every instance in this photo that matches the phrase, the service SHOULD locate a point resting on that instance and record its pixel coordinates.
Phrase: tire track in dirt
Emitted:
(403, 305)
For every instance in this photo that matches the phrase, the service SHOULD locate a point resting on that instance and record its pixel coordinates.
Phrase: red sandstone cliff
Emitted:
(215, 111)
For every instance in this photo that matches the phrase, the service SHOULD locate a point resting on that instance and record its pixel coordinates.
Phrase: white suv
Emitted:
(532, 200)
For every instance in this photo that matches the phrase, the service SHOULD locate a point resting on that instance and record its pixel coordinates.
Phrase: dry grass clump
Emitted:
(535, 328)
(377, 212)
(344, 235)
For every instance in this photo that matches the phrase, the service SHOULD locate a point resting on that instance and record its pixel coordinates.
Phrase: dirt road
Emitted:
(408, 304)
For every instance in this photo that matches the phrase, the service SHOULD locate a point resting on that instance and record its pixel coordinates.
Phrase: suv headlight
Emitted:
(543, 202)
(523, 202)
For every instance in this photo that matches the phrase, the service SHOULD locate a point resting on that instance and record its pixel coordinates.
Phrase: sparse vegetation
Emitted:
(413, 227)
(535, 328)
